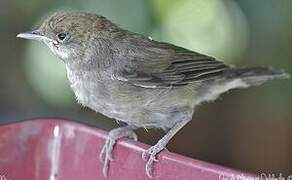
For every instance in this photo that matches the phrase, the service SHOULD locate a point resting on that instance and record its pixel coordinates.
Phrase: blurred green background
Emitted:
(246, 129)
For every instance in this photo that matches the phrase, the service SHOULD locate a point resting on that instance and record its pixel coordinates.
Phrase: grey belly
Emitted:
(136, 106)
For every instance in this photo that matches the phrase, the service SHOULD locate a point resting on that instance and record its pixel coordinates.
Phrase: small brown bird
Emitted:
(137, 80)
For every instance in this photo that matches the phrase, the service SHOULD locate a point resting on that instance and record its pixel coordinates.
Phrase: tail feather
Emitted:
(238, 78)
(256, 75)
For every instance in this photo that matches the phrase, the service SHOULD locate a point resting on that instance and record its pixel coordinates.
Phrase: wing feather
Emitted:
(152, 64)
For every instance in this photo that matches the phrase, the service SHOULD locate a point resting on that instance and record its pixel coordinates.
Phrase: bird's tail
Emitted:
(255, 75)
(238, 78)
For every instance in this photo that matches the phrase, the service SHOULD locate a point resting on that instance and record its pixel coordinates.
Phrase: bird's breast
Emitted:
(95, 91)
(86, 86)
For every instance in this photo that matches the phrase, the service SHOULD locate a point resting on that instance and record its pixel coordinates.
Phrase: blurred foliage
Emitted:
(194, 24)
(55, 89)
(242, 131)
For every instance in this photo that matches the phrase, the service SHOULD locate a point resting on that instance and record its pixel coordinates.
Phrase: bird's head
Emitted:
(67, 34)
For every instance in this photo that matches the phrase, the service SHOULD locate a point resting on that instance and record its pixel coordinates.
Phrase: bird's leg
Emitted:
(113, 136)
(150, 154)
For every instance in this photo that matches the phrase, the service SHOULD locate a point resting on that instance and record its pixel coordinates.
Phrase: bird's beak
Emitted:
(34, 35)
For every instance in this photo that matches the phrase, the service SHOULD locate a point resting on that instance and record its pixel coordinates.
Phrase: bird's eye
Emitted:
(62, 36)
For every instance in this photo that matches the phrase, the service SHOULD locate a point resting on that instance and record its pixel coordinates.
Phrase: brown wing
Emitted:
(152, 64)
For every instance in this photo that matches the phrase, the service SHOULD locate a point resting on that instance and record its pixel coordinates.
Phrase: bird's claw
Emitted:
(150, 156)
(105, 155)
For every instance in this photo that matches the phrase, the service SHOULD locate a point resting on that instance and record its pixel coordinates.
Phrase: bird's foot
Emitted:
(150, 156)
(106, 152)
